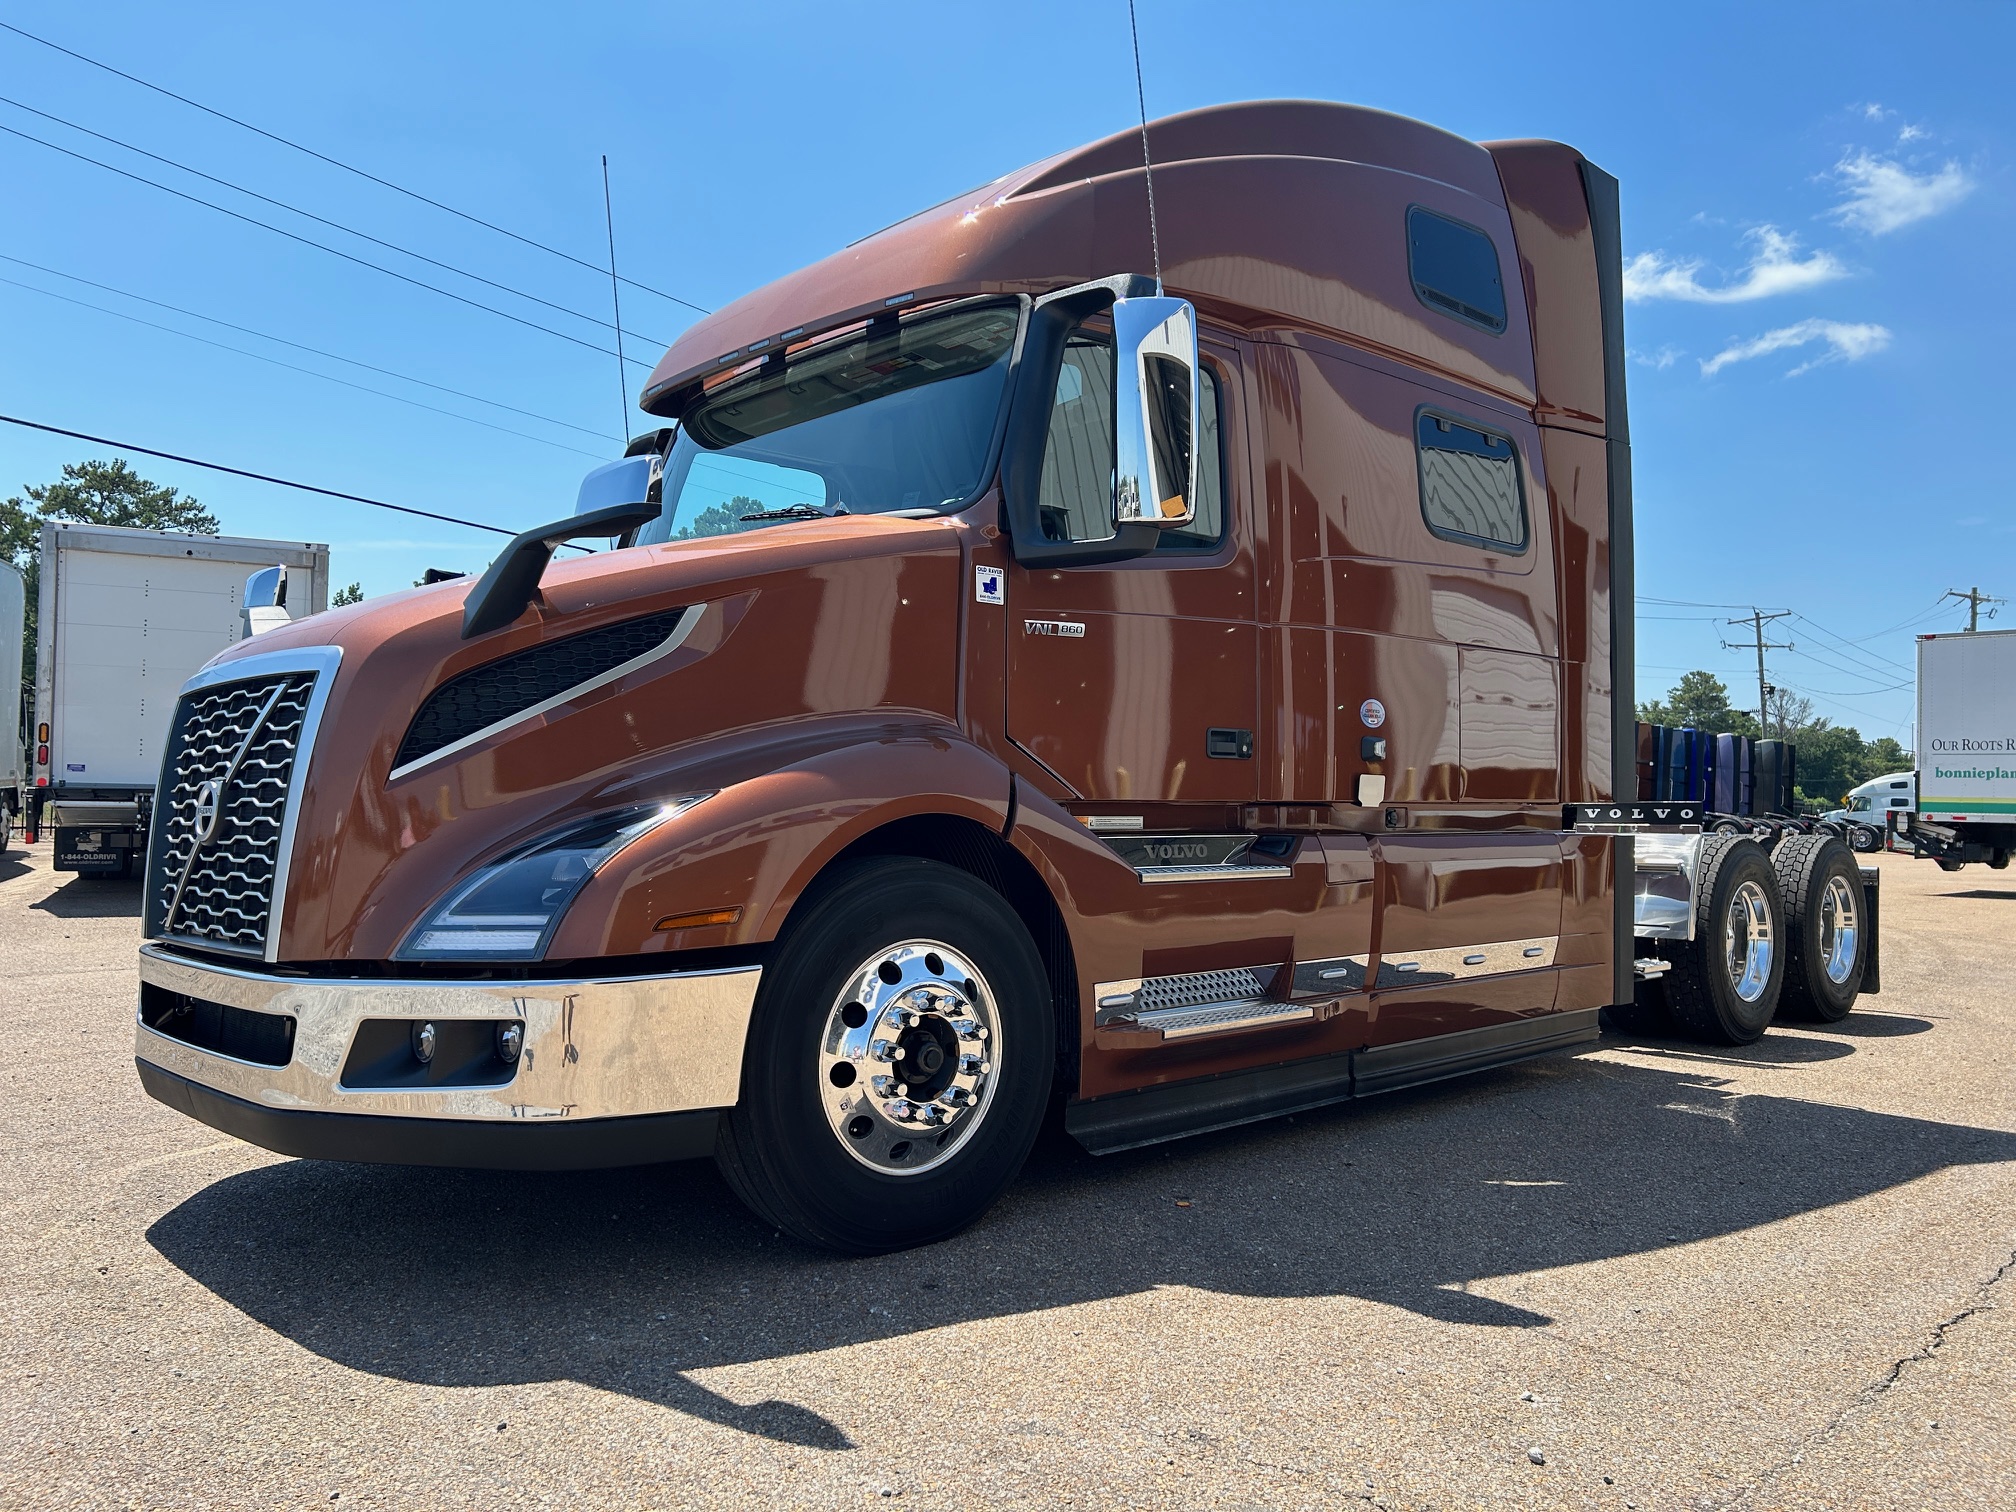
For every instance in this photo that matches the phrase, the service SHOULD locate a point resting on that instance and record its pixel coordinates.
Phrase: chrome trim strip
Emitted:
(595, 1048)
(688, 623)
(1461, 962)
(1210, 873)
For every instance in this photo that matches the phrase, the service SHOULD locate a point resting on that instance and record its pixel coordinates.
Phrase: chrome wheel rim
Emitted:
(906, 1065)
(1747, 943)
(1839, 929)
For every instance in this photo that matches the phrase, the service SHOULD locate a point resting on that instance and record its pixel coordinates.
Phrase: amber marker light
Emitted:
(700, 920)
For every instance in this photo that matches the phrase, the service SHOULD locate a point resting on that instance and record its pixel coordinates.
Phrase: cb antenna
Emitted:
(616, 299)
(1147, 162)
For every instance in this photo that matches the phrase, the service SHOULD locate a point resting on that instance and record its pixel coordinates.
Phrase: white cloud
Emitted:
(1845, 343)
(1662, 359)
(1883, 194)
(1874, 112)
(1913, 134)
(1776, 268)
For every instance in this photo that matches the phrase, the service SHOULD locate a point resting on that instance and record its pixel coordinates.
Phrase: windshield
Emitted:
(1860, 804)
(882, 420)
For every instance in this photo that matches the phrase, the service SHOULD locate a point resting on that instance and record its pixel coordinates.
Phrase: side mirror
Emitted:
(1155, 412)
(264, 606)
(628, 480)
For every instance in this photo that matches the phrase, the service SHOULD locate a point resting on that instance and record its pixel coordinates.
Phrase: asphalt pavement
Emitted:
(1647, 1275)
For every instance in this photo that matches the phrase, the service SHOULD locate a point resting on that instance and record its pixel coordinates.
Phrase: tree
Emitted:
(1881, 757)
(1787, 712)
(90, 493)
(1700, 699)
(354, 594)
(722, 519)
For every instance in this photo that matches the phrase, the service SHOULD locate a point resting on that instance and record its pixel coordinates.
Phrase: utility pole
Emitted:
(1757, 620)
(1973, 598)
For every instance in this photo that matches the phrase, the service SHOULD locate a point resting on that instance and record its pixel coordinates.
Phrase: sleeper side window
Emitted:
(1455, 269)
(1074, 498)
(1470, 486)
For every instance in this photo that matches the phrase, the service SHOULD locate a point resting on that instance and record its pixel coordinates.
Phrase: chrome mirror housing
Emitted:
(628, 480)
(264, 605)
(1155, 411)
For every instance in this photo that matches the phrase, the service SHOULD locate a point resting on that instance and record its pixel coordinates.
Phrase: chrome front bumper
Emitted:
(612, 1048)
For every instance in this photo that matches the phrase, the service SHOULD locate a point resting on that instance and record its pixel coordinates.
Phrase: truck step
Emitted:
(1215, 1018)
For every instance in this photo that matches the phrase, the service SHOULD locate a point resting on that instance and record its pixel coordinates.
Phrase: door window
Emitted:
(1074, 498)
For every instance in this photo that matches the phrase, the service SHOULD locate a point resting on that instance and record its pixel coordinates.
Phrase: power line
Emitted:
(239, 472)
(298, 346)
(320, 220)
(291, 367)
(1854, 648)
(346, 167)
(309, 241)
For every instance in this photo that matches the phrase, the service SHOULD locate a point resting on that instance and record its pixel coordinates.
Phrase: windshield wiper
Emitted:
(797, 512)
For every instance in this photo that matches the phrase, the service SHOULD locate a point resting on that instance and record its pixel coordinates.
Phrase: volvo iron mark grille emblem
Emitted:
(207, 809)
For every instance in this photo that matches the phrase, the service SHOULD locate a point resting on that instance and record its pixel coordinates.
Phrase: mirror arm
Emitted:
(1035, 380)
(504, 592)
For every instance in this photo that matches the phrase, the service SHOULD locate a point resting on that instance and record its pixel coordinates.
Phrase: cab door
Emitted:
(1136, 681)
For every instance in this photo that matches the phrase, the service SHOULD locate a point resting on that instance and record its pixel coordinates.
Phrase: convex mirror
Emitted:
(1155, 411)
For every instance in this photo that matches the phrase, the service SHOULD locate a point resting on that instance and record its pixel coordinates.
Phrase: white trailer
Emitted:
(125, 618)
(1966, 808)
(13, 711)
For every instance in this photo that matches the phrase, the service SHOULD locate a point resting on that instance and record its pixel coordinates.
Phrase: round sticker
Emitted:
(1373, 713)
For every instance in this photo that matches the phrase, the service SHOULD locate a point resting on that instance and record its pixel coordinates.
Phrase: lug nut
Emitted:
(901, 1109)
(885, 1086)
(969, 1064)
(510, 1042)
(423, 1043)
(886, 1050)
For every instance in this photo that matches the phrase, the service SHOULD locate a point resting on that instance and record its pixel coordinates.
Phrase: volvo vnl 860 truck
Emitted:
(1019, 678)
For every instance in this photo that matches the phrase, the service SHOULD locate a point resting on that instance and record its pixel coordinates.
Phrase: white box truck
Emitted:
(125, 618)
(13, 707)
(1966, 750)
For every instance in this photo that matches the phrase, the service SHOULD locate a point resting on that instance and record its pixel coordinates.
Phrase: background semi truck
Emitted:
(1190, 676)
(125, 618)
(1966, 799)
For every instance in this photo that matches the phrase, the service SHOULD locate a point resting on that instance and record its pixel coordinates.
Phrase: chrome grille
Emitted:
(221, 810)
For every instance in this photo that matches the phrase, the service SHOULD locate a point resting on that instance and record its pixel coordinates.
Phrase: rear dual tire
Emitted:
(1725, 982)
(1826, 943)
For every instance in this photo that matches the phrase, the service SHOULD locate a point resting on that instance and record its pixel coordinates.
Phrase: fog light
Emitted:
(423, 1043)
(510, 1040)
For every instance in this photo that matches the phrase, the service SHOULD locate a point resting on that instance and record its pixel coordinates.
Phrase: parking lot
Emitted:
(1646, 1275)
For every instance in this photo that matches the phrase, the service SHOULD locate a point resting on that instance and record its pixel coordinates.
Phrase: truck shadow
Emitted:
(94, 898)
(634, 1281)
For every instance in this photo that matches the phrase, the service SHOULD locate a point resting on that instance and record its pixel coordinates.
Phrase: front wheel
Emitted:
(1865, 839)
(899, 1061)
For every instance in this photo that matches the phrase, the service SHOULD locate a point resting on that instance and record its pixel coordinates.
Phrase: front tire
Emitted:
(899, 1061)
(1725, 983)
(1865, 839)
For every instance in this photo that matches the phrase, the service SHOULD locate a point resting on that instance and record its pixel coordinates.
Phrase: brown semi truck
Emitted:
(1181, 674)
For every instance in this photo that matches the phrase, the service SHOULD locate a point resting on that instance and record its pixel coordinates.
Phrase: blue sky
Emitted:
(1816, 198)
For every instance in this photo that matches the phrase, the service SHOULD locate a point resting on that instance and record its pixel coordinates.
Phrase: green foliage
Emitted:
(722, 519)
(1700, 699)
(354, 594)
(89, 493)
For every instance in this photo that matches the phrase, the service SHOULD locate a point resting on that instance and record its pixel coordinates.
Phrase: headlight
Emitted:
(509, 909)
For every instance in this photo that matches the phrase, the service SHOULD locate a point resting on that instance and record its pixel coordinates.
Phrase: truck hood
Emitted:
(843, 616)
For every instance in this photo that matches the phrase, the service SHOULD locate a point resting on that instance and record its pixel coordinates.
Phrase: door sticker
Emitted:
(1373, 713)
(988, 586)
